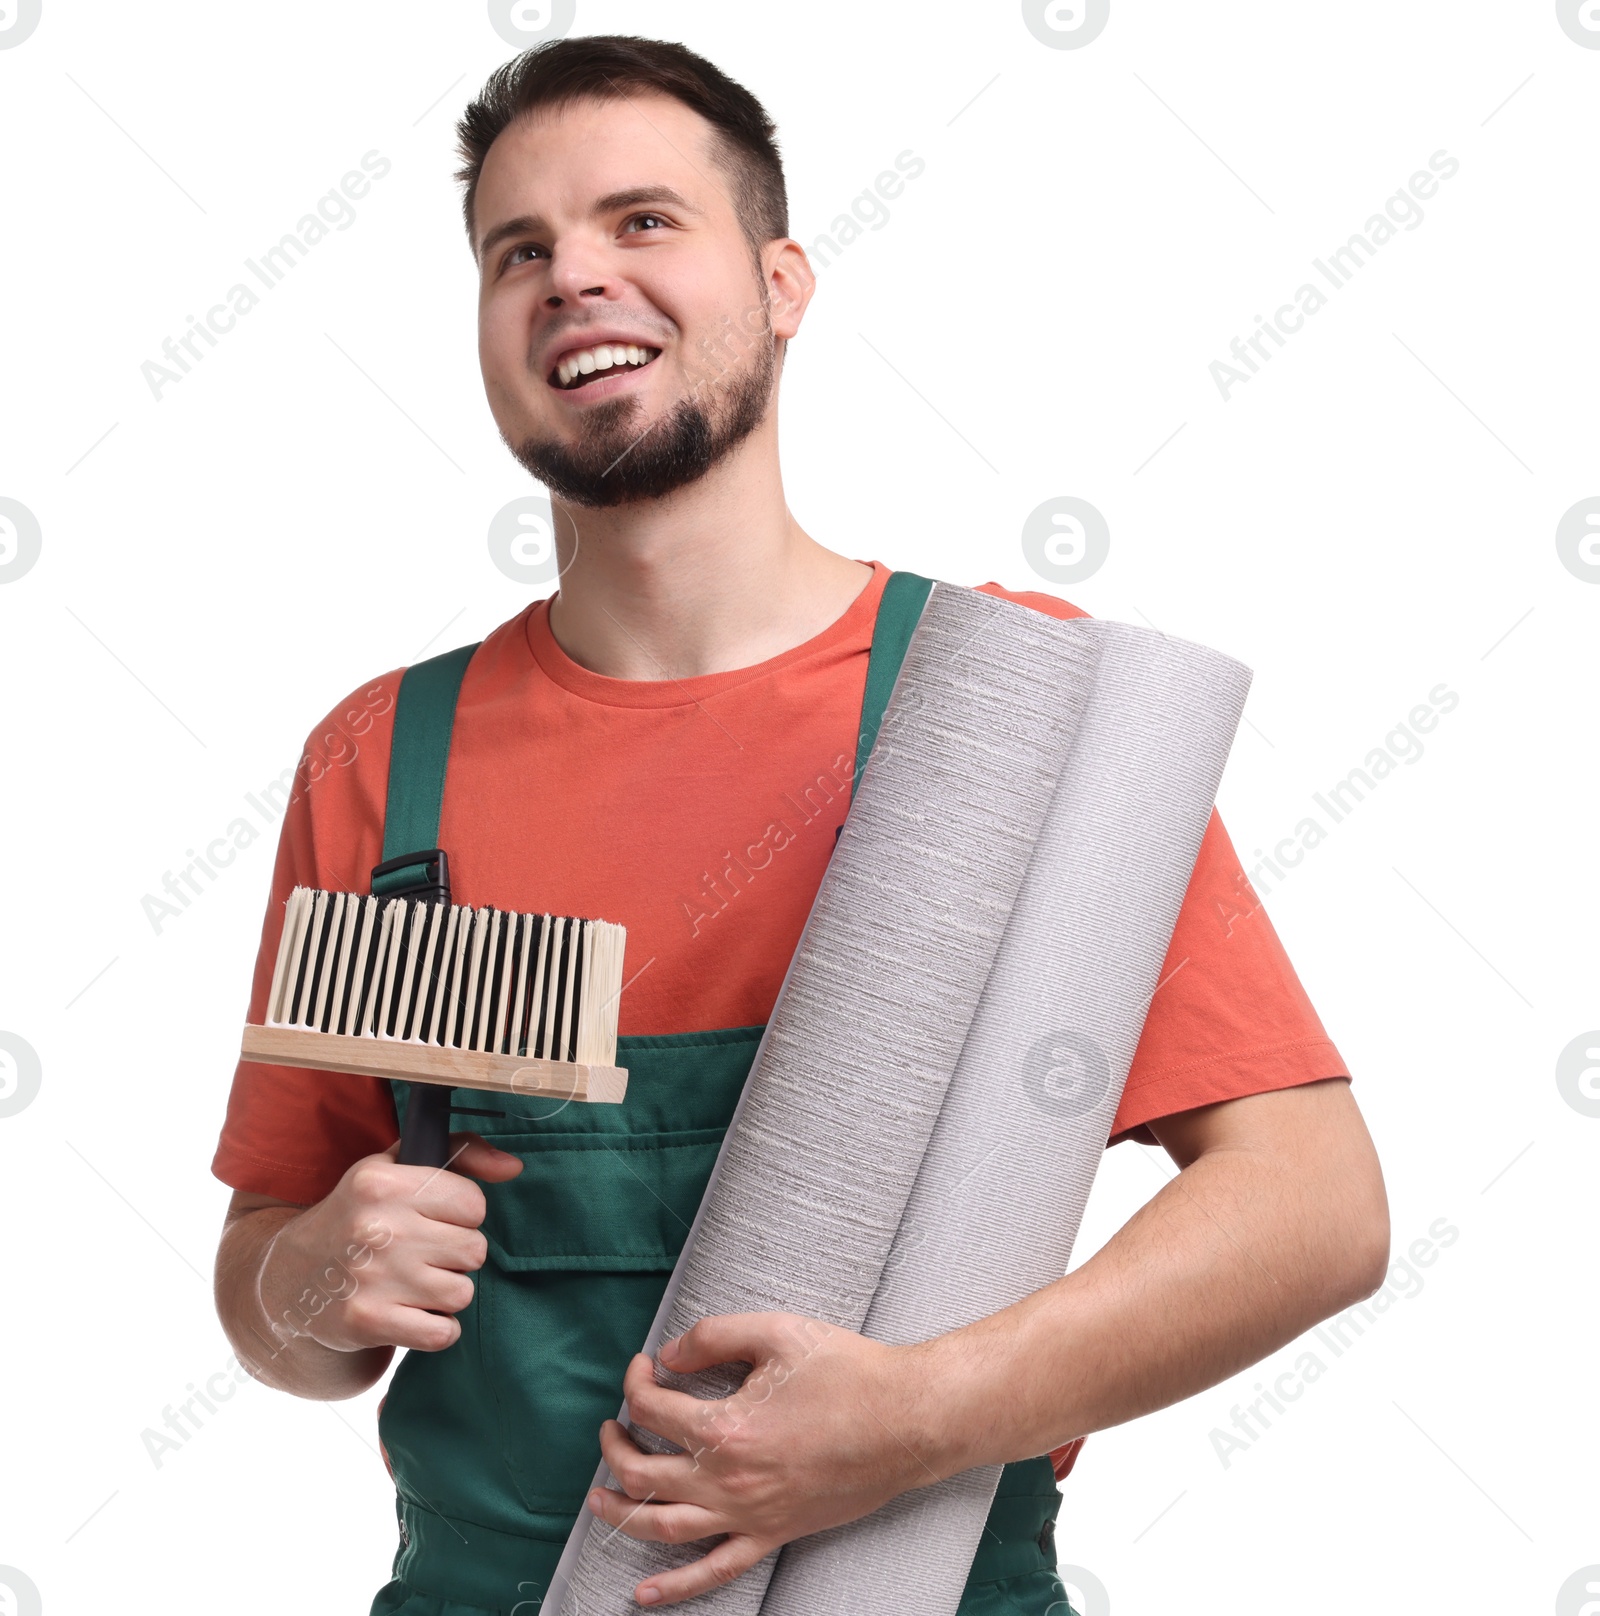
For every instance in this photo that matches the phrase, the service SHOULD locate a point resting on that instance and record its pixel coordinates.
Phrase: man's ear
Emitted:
(790, 283)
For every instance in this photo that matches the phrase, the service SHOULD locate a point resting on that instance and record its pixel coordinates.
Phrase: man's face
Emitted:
(606, 225)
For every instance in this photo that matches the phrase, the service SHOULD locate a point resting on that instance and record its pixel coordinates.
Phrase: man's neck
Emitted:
(715, 577)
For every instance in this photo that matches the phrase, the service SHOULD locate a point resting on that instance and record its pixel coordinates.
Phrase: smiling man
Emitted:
(667, 741)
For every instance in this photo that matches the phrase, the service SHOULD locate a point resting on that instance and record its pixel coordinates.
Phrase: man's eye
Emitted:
(512, 258)
(656, 216)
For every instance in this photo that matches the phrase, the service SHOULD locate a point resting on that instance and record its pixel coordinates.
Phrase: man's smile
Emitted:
(576, 369)
(600, 367)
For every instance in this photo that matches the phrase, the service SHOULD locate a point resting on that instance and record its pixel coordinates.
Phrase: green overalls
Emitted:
(493, 1443)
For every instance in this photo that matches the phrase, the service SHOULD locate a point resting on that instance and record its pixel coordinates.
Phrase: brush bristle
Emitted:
(541, 986)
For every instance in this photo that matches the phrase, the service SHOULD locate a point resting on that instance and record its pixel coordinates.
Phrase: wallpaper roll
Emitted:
(826, 1141)
(1027, 1113)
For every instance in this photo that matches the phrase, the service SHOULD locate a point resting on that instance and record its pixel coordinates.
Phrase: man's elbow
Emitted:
(1362, 1225)
(1373, 1268)
(1350, 1198)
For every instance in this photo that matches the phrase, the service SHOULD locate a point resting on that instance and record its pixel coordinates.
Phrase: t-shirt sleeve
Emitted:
(1229, 1016)
(290, 1132)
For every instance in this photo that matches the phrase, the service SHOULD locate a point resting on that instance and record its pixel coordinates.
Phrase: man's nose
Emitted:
(580, 269)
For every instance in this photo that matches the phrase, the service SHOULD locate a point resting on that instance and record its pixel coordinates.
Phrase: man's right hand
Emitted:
(384, 1260)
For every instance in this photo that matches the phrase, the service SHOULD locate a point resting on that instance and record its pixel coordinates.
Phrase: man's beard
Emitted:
(615, 462)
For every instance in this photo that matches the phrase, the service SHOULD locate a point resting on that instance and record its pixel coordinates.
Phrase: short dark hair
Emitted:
(608, 67)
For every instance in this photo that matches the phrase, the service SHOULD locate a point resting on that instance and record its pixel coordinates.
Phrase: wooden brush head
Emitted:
(428, 992)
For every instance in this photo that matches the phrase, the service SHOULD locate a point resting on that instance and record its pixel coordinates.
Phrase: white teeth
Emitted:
(603, 357)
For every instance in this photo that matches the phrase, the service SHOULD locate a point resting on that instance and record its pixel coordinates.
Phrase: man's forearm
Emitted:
(1234, 1257)
(264, 1312)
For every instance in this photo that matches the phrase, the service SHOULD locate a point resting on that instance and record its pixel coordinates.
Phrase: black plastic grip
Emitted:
(425, 1134)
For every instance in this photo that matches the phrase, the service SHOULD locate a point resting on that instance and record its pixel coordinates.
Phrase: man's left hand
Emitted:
(827, 1427)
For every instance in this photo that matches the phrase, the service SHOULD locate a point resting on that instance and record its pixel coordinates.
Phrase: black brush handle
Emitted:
(425, 1134)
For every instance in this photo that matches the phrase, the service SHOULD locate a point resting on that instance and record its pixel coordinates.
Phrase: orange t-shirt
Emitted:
(699, 813)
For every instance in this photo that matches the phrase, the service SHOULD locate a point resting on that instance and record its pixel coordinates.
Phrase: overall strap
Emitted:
(413, 864)
(899, 609)
(424, 715)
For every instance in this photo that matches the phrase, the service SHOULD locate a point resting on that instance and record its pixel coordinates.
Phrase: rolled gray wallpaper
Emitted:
(1025, 1118)
(870, 1018)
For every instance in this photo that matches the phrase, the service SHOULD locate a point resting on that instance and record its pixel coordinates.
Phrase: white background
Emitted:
(1373, 514)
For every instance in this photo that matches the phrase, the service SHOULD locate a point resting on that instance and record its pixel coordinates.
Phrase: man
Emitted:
(666, 742)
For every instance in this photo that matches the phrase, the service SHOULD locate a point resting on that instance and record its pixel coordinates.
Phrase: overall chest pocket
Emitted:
(581, 1244)
(600, 1202)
